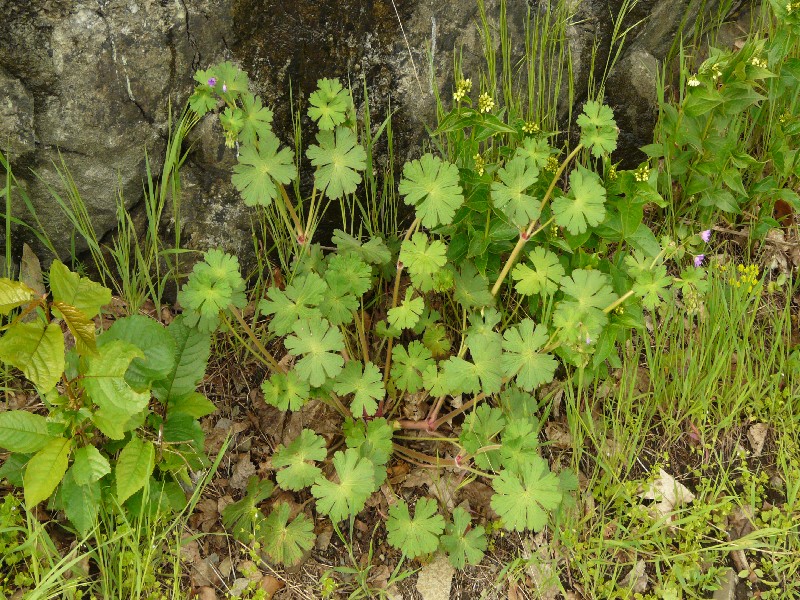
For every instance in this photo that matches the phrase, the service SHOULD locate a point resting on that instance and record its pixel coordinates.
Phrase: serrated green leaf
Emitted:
(36, 349)
(81, 502)
(349, 271)
(524, 501)
(46, 470)
(286, 391)
(543, 278)
(134, 467)
(193, 404)
(521, 358)
(299, 301)
(598, 129)
(584, 206)
(23, 432)
(407, 314)
(89, 465)
(463, 543)
(256, 119)
(509, 195)
(356, 482)
(81, 328)
(81, 292)
(329, 104)
(261, 168)
(366, 387)
(320, 345)
(338, 158)
(373, 439)
(472, 288)
(285, 542)
(297, 457)
(418, 535)
(652, 287)
(431, 186)
(408, 365)
(480, 430)
(422, 260)
(535, 152)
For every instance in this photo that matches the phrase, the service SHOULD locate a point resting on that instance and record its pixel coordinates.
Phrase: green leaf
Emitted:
(472, 288)
(89, 465)
(13, 294)
(701, 100)
(297, 458)
(407, 314)
(653, 287)
(520, 445)
(481, 429)
(320, 344)
(329, 104)
(374, 251)
(256, 119)
(524, 501)
(589, 288)
(239, 515)
(509, 195)
(104, 382)
(521, 358)
(338, 157)
(46, 470)
(285, 542)
(23, 432)
(431, 185)
(154, 340)
(372, 439)
(37, 350)
(535, 151)
(192, 349)
(350, 272)
(366, 387)
(80, 292)
(418, 535)
(463, 544)
(134, 467)
(261, 168)
(214, 285)
(543, 278)
(408, 365)
(230, 78)
(598, 129)
(584, 206)
(193, 404)
(423, 261)
(286, 391)
(81, 502)
(356, 482)
(298, 301)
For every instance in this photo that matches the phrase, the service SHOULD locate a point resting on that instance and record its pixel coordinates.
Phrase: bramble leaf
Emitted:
(463, 543)
(521, 358)
(285, 542)
(543, 278)
(418, 535)
(584, 206)
(261, 168)
(366, 387)
(523, 501)
(23, 432)
(509, 195)
(286, 391)
(338, 156)
(13, 294)
(46, 470)
(298, 459)
(329, 104)
(81, 292)
(346, 498)
(134, 467)
(431, 185)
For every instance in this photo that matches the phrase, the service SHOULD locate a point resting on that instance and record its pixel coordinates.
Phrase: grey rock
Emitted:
(728, 589)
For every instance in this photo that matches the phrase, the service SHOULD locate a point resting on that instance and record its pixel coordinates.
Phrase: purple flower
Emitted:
(705, 235)
(698, 260)
(224, 87)
(212, 81)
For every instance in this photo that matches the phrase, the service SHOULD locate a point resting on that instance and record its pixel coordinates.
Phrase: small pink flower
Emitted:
(212, 81)
(705, 235)
(224, 87)
(698, 260)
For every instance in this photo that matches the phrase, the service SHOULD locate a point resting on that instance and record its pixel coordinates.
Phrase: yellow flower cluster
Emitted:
(480, 164)
(530, 128)
(642, 173)
(791, 7)
(462, 89)
(612, 173)
(745, 276)
(759, 62)
(693, 81)
(552, 164)
(485, 103)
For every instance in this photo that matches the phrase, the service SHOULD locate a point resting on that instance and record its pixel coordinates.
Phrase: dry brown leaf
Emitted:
(243, 470)
(757, 435)
(205, 593)
(636, 579)
(271, 585)
(558, 436)
(668, 492)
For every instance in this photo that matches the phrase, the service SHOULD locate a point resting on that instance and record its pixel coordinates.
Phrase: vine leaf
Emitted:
(418, 535)
(431, 185)
(338, 157)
